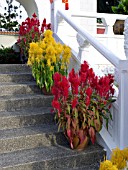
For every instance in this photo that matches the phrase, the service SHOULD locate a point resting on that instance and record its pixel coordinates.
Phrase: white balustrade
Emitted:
(117, 133)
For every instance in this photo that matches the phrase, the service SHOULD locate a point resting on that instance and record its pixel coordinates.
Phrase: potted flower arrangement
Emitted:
(118, 160)
(81, 102)
(121, 8)
(29, 31)
(47, 57)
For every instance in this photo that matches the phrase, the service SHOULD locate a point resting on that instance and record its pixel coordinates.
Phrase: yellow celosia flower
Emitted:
(66, 54)
(54, 59)
(59, 48)
(51, 68)
(29, 62)
(48, 33)
(33, 45)
(38, 58)
(125, 153)
(118, 159)
(49, 62)
(50, 51)
(62, 66)
(107, 165)
(42, 44)
(40, 51)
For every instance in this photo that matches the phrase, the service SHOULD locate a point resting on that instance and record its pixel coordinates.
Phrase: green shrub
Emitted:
(9, 56)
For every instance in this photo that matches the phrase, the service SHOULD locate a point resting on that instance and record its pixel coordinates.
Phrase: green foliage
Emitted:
(104, 6)
(9, 56)
(8, 20)
(121, 8)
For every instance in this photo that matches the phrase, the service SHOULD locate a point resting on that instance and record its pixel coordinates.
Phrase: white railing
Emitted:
(108, 20)
(117, 134)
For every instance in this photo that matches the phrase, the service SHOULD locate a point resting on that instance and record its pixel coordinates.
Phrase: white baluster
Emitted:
(83, 47)
(126, 38)
(108, 23)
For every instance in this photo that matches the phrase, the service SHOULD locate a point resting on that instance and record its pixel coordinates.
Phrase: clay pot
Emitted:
(118, 27)
(44, 91)
(82, 146)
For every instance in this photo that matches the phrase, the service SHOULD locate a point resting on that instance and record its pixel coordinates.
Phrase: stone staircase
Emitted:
(29, 139)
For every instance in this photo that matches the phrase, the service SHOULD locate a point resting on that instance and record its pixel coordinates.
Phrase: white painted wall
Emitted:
(88, 6)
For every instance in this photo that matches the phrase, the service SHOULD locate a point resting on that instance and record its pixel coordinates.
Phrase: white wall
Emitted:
(88, 6)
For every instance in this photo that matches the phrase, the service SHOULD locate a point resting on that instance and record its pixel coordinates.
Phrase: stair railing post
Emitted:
(126, 37)
(55, 20)
(123, 104)
(54, 16)
(83, 47)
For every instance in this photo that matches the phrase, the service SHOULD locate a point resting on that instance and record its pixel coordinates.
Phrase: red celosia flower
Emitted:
(48, 27)
(83, 77)
(65, 87)
(87, 101)
(75, 81)
(84, 100)
(31, 32)
(84, 67)
(89, 91)
(74, 102)
(57, 77)
(56, 105)
(34, 15)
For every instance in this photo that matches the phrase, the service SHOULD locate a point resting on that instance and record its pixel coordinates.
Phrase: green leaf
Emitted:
(68, 108)
(76, 112)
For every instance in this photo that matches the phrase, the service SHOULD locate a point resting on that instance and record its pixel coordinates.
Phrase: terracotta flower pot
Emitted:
(82, 146)
(44, 91)
(118, 27)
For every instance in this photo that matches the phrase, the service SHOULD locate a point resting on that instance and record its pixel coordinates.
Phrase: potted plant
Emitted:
(81, 102)
(30, 31)
(121, 8)
(47, 57)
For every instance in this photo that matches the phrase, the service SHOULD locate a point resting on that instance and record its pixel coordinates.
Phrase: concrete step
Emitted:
(26, 117)
(16, 77)
(16, 88)
(30, 137)
(53, 158)
(14, 68)
(18, 102)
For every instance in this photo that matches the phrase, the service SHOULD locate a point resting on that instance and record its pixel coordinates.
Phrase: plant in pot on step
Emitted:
(121, 8)
(81, 102)
(47, 57)
(29, 31)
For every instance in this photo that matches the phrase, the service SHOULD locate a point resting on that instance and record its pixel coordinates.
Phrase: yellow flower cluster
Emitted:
(107, 165)
(118, 161)
(47, 57)
(49, 52)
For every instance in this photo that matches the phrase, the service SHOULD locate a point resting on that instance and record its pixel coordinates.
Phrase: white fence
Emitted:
(117, 134)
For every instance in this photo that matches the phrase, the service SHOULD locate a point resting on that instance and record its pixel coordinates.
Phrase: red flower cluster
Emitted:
(81, 101)
(29, 31)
